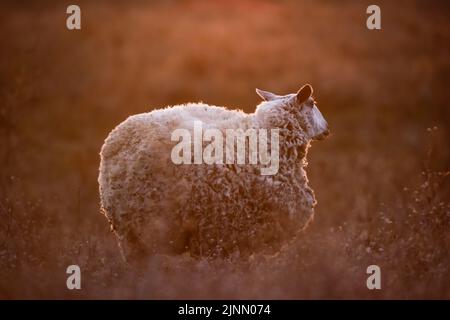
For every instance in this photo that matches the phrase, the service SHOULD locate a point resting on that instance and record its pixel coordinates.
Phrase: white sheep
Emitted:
(208, 210)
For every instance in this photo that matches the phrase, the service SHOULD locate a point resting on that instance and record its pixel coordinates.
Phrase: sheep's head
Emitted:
(297, 111)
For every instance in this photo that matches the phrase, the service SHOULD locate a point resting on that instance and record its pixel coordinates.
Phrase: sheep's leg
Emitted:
(133, 250)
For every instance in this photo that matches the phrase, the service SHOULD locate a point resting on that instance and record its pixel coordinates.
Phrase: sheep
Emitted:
(155, 206)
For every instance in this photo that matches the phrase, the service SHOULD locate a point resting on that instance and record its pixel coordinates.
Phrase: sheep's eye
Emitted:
(309, 103)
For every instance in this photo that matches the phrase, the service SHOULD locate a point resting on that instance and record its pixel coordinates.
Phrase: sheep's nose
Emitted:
(326, 133)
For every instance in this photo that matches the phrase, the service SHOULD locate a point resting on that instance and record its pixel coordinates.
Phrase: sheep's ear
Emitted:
(304, 93)
(266, 96)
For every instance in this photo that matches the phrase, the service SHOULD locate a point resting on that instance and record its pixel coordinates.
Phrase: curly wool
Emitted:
(155, 206)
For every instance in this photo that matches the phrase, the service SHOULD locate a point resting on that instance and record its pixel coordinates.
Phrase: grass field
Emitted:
(381, 179)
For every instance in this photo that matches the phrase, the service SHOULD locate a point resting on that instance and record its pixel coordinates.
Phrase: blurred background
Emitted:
(381, 179)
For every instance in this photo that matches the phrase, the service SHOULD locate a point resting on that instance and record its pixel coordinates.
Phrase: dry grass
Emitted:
(383, 196)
